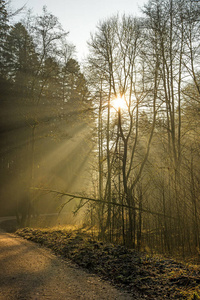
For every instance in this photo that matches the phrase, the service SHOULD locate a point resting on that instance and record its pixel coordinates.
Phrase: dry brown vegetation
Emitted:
(154, 277)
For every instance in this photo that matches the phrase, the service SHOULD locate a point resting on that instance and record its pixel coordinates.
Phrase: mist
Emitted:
(58, 159)
(112, 144)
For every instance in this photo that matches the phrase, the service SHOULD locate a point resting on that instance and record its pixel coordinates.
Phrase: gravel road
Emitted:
(29, 271)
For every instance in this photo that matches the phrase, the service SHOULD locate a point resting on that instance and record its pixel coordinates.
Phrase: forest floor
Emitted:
(150, 276)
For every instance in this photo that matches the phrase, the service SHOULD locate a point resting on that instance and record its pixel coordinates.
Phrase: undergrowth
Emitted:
(153, 277)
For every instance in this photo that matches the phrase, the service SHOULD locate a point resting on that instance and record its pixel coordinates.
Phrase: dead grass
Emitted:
(154, 277)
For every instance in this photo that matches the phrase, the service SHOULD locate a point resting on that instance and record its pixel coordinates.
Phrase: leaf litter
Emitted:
(152, 276)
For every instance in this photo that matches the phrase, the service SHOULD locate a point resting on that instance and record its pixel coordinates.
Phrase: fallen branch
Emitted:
(101, 201)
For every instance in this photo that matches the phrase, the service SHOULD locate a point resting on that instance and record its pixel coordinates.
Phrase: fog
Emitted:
(134, 167)
(59, 159)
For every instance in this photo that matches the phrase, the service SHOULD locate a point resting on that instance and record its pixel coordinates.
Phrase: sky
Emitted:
(80, 17)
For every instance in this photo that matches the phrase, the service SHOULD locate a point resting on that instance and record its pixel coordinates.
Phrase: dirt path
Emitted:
(28, 271)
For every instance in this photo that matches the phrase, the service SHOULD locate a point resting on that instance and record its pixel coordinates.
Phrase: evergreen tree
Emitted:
(4, 27)
(23, 61)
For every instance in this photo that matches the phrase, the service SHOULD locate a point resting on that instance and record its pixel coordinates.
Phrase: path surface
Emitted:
(29, 271)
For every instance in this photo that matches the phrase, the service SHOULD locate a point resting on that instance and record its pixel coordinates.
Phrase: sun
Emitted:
(119, 103)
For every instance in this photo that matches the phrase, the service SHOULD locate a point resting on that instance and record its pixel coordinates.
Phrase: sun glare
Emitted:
(119, 103)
